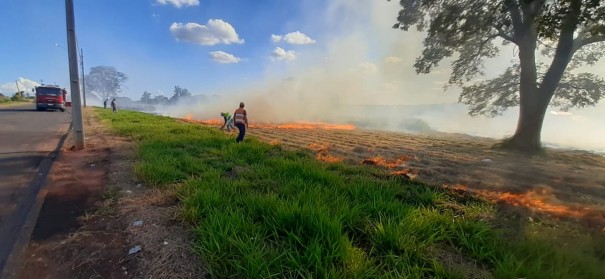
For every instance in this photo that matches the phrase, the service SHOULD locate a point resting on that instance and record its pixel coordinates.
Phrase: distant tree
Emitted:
(570, 32)
(179, 93)
(146, 98)
(106, 81)
(19, 96)
(160, 100)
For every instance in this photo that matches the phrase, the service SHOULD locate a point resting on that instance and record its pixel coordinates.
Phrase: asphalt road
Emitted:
(28, 141)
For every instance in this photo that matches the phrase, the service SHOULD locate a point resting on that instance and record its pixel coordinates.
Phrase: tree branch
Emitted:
(530, 10)
(465, 67)
(565, 48)
(515, 15)
(502, 34)
(580, 42)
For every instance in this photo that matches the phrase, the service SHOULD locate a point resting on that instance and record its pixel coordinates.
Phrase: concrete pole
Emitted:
(83, 81)
(73, 76)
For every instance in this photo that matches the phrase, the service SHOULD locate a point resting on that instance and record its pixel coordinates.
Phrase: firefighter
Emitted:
(105, 104)
(114, 106)
(228, 121)
(241, 122)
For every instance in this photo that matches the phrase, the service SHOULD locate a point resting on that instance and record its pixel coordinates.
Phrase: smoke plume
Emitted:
(361, 71)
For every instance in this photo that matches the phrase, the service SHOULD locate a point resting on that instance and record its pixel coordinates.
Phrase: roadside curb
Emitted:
(30, 208)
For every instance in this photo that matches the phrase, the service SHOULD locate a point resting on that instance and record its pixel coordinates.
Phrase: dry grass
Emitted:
(564, 179)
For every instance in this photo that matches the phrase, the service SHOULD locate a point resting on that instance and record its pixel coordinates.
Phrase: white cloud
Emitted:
(275, 38)
(10, 88)
(393, 59)
(224, 58)
(367, 67)
(282, 54)
(215, 32)
(179, 3)
(293, 38)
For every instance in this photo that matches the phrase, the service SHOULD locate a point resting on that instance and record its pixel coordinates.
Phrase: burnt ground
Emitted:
(85, 228)
(78, 181)
(566, 184)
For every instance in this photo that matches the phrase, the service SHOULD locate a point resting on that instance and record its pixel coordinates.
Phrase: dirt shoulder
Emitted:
(98, 221)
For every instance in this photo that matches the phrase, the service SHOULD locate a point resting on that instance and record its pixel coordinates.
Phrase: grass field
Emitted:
(258, 210)
(6, 102)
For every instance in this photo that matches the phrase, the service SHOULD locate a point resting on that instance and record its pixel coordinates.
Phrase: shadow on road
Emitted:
(12, 164)
(16, 109)
(25, 109)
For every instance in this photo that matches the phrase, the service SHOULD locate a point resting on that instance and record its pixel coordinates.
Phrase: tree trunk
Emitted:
(531, 117)
(533, 101)
(534, 98)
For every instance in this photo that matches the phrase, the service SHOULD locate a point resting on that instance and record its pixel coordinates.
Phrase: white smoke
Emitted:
(361, 61)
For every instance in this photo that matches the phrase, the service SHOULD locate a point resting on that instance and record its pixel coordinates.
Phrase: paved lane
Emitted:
(28, 139)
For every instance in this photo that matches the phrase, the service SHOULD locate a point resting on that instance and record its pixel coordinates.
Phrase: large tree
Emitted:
(567, 34)
(146, 98)
(160, 100)
(106, 81)
(179, 93)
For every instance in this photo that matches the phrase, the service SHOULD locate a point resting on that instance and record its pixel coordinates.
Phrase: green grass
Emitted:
(4, 101)
(258, 211)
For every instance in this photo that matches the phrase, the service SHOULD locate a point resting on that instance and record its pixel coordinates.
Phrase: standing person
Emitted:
(114, 107)
(241, 122)
(228, 121)
(105, 104)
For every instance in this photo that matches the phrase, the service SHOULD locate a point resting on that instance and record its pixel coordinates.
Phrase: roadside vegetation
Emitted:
(17, 98)
(260, 211)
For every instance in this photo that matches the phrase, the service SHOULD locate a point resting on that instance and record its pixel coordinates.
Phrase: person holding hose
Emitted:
(241, 122)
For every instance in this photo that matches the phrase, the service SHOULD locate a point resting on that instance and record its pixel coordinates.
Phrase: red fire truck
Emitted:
(50, 97)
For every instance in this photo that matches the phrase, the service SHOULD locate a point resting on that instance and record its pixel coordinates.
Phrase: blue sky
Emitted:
(135, 37)
(218, 47)
(288, 59)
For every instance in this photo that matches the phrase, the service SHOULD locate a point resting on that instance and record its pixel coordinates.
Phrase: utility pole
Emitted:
(83, 81)
(73, 75)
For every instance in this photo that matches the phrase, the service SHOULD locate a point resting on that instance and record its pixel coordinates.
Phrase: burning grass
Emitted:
(260, 211)
(382, 162)
(319, 147)
(541, 201)
(284, 126)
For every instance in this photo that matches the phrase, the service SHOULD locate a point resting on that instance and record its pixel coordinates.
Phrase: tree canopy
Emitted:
(105, 81)
(568, 33)
(179, 93)
(146, 98)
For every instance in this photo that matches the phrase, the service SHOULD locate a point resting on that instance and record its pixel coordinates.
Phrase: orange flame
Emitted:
(311, 126)
(189, 116)
(327, 158)
(380, 161)
(213, 122)
(410, 174)
(542, 201)
(394, 165)
(289, 126)
(322, 153)
(318, 147)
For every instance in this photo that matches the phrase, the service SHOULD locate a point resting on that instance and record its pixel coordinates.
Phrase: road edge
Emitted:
(36, 197)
